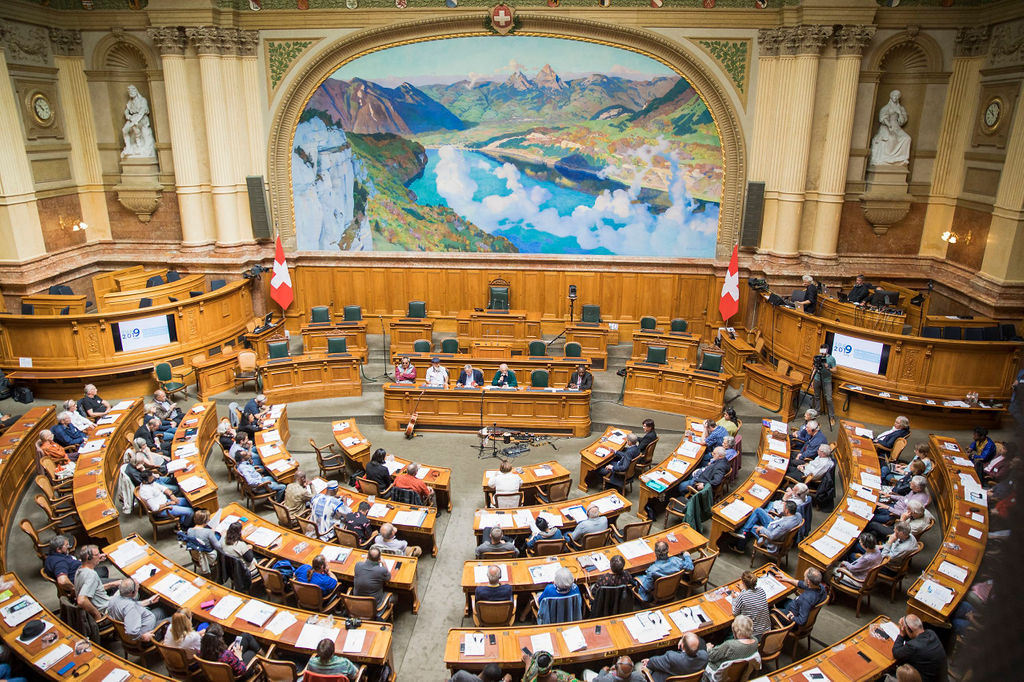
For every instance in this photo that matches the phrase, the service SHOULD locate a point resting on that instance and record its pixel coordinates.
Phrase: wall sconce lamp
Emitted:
(953, 237)
(72, 224)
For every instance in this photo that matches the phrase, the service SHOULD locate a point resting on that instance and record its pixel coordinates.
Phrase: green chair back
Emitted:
(417, 309)
(679, 325)
(711, 362)
(538, 348)
(591, 313)
(321, 313)
(648, 323)
(353, 313)
(450, 346)
(337, 344)
(163, 372)
(658, 354)
(573, 350)
(421, 346)
(278, 349)
(499, 299)
(539, 378)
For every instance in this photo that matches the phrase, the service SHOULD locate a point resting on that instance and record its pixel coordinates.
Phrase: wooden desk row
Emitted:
(771, 390)
(860, 657)
(534, 477)
(662, 481)
(963, 510)
(559, 369)
(192, 442)
(604, 638)
(315, 335)
(860, 316)
(178, 587)
(519, 521)
(540, 410)
(534, 574)
(53, 304)
(356, 449)
(94, 486)
(413, 523)
(310, 376)
(732, 512)
(599, 453)
(680, 347)
(857, 461)
(675, 387)
(128, 298)
(879, 406)
(288, 545)
(18, 466)
(272, 444)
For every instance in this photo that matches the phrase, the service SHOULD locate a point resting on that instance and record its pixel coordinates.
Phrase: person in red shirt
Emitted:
(51, 449)
(408, 481)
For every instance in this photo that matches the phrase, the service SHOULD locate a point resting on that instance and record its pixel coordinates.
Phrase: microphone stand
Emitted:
(385, 349)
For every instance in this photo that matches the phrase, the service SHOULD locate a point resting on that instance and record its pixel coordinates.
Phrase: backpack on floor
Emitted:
(22, 394)
(5, 386)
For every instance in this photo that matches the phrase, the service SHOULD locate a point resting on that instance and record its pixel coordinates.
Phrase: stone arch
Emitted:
(123, 52)
(715, 94)
(907, 51)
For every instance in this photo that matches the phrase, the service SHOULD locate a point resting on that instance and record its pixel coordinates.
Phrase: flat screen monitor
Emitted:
(884, 297)
(856, 353)
(143, 333)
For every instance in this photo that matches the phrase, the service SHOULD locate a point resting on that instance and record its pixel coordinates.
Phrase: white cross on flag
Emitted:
(730, 303)
(502, 18)
(281, 282)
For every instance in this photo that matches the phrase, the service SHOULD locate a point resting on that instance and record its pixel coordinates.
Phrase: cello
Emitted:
(411, 426)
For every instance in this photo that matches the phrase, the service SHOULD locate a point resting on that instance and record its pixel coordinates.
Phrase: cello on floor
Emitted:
(411, 426)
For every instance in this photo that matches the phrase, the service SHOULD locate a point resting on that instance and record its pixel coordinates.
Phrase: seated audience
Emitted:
(891, 472)
(713, 437)
(369, 578)
(358, 522)
(920, 648)
(495, 543)
(741, 647)
(797, 437)
(65, 433)
(712, 474)
(91, 404)
(387, 540)
(298, 494)
(663, 565)
(582, 380)
(407, 480)
(327, 662)
(890, 512)
(494, 590)
(622, 671)
(377, 471)
(753, 603)
(326, 508)
(765, 530)
(156, 496)
(253, 415)
(623, 458)
(690, 658)
(166, 409)
(815, 468)
(649, 435)
(139, 620)
(918, 517)
(981, 449)
(212, 647)
(470, 378)
(887, 439)
(92, 591)
(437, 375)
(490, 673)
(594, 523)
(234, 546)
(540, 667)
(562, 586)
(853, 573)
(61, 565)
(80, 421)
(149, 432)
(729, 421)
(544, 532)
(207, 537)
(317, 574)
(247, 471)
(51, 449)
(617, 574)
(899, 544)
(181, 634)
(796, 492)
(812, 592)
(505, 481)
(860, 290)
(814, 440)
(226, 434)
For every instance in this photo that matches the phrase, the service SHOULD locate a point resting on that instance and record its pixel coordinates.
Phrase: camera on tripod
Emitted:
(820, 361)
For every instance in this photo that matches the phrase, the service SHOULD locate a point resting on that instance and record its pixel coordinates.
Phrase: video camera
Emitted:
(255, 271)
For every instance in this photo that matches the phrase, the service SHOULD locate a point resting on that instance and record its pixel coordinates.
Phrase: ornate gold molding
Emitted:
(714, 93)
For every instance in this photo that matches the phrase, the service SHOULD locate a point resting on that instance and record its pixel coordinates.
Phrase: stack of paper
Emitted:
(128, 553)
(19, 611)
(934, 595)
(313, 633)
(957, 573)
(144, 573)
(828, 546)
(647, 626)
(677, 466)
(336, 554)
(121, 406)
(815, 675)
(778, 446)
(279, 466)
(607, 503)
(276, 411)
(263, 537)
(951, 445)
(186, 450)
(697, 427)
(351, 441)
(340, 426)
(393, 466)
(575, 512)
(378, 510)
(410, 518)
(281, 622)
(689, 618)
(597, 560)
(542, 642)
(105, 431)
(961, 462)
(271, 436)
(770, 585)
(871, 480)
(759, 491)
(225, 607)
(91, 446)
(258, 612)
(554, 519)
(734, 511)
(634, 548)
(617, 437)
(474, 644)
(57, 654)
(192, 483)
(602, 452)
(861, 509)
(109, 419)
(490, 520)
(543, 471)
(480, 573)
(777, 463)
(422, 472)
(843, 531)
(574, 639)
(117, 675)
(544, 573)
(178, 590)
(688, 449)
(778, 427)
(177, 465)
(866, 433)
(523, 517)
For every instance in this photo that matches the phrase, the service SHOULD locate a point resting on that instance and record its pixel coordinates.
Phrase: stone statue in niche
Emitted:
(891, 144)
(137, 132)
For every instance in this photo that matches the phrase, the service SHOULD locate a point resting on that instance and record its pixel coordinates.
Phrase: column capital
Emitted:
(972, 41)
(247, 43)
(206, 39)
(851, 40)
(812, 38)
(229, 41)
(169, 40)
(769, 40)
(66, 43)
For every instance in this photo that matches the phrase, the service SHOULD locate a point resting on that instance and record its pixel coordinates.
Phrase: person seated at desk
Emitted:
(582, 380)
(622, 671)
(325, 509)
(377, 471)
(493, 590)
(564, 585)
(690, 658)
(623, 458)
(155, 441)
(234, 546)
(405, 372)
(166, 429)
(369, 578)
(437, 375)
(141, 462)
(358, 522)
(326, 662)
(540, 667)
(89, 584)
(91, 404)
(649, 435)
(594, 523)
(407, 480)
(469, 377)
(999, 467)
(156, 496)
(490, 673)
(854, 573)
(617, 574)
(887, 439)
(752, 602)
(80, 422)
(729, 443)
(981, 449)
(815, 468)
(798, 609)
(797, 493)
(663, 565)
(495, 543)
(543, 532)
(298, 494)
(505, 481)
(61, 565)
(52, 450)
(899, 544)
(741, 647)
(212, 647)
(920, 648)
(7, 421)
(387, 540)
(65, 433)
(181, 634)
(207, 538)
(815, 439)
(729, 421)
(888, 513)
(166, 409)
(891, 473)
(253, 415)
(226, 433)
(765, 530)
(797, 437)
(247, 470)
(712, 474)
(504, 377)
(316, 573)
(901, 485)
(807, 300)
(139, 620)
(714, 436)
(860, 290)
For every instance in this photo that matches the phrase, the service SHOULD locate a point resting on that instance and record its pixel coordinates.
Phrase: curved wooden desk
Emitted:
(559, 368)
(93, 665)
(966, 524)
(521, 572)
(272, 445)
(108, 281)
(680, 347)
(860, 316)
(300, 549)
(661, 482)
(192, 443)
(733, 510)
(534, 476)
(99, 463)
(600, 453)
(314, 375)
(540, 410)
(400, 515)
(614, 639)
(857, 463)
(675, 387)
(518, 521)
(861, 657)
(18, 466)
(52, 304)
(315, 335)
(128, 297)
(376, 647)
(356, 448)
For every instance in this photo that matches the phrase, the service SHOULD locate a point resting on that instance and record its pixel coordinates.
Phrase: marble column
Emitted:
(248, 42)
(784, 46)
(766, 108)
(234, 95)
(1004, 249)
(84, 157)
(954, 138)
(195, 229)
(207, 42)
(806, 43)
(21, 235)
(850, 42)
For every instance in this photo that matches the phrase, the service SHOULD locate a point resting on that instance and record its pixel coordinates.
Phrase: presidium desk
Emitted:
(675, 387)
(540, 410)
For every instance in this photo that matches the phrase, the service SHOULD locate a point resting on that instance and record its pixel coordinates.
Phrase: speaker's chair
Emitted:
(498, 295)
(353, 313)
(539, 378)
(648, 323)
(321, 314)
(591, 313)
(336, 344)
(657, 354)
(417, 309)
(679, 325)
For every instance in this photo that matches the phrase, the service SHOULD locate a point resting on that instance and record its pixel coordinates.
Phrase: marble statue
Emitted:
(137, 132)
(891, 144)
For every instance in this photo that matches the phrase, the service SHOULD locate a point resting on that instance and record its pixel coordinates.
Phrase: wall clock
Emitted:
(992, 114)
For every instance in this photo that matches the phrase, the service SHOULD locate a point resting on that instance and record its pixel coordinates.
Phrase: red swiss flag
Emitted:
(281, 282)
(729, 305)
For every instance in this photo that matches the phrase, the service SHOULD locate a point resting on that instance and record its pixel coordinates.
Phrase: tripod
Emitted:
(823, 407)
(486, 434)
(572, 312)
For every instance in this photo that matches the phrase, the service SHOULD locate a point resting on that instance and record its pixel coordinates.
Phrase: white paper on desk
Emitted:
(777, 426)
(378, 510)
(121, 406)
(269, 450)
(977, 496)
(647, 626)
(422, 473)
(634, 548)
(951, 445)
(977, 517)
(544, 573)
(105, 431)
(607, 503)
(143, 573)
(117, 675)
(617, 438)
(175, 588)
(271, 436)
(91, 446)
(340, 426)
(186, 450)
(14, 618)
(281, 622)
(263, 537)
(192, 483)
(843, 531)
(688, 449)
(351, 441)
(336, 554)
(574, 639)
(974, 533)
(542, 642)
(828, 546)
(778, 446)
(543, 471)
(523, 518)
(736, 510)
(554, 519)
(393, 466)
(480, 573)
(864, 492)
(312, 634)
(575, 512)
(57, 654)
(866, 433)
(688, 618)
(957, 573)
(109, 419)
(890, 628)
(776, 462)
(410, 518)
(490, 520)
(276, 411)
(934, 595)
(861, 509)
(474, 644)
(759, 491)
(602, 452)
(960, 461)
(319, 485)
(222, 527)
(225, 607)
(599, 561)
(257, 612)
(128, 553)
(871, 480)
(678, 466)
(279, 466)
(177, 465)
(770, 585)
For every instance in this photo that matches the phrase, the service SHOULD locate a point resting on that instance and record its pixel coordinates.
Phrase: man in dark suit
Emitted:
(710, 475)
(470, 378)
(582, 380)
(860, 291)
(622, 460)
(649, 435)
(689, 659)
(920, 648)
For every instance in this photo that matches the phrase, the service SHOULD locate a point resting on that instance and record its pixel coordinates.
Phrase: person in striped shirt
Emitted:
(753, 602)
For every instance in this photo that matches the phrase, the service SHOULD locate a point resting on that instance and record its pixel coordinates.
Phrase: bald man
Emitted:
(690, 658)
(920, 648)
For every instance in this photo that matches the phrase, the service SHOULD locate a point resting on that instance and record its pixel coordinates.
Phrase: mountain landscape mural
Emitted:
(583, 149)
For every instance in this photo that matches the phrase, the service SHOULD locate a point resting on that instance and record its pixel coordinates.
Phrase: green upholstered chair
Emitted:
(353, 313)
(539, 378)
(217, 284)
(498, 299)
(145, 302)
(658, 354)
(321, 313)
(277, 349)
(648, 323)
(337, 344)
(679, 325)
(450, 346)
(421, 346)
(417, 309)
(538, 348)
(591, 313)
(573, 350)
(165, 377)
(711, 362)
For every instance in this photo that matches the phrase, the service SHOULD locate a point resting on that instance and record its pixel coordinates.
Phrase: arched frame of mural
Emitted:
(309, 77)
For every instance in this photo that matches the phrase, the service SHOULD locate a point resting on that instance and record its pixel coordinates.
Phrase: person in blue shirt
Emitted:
(982, 449)
(815, 438)
(564, 585)
(66, 433)
(317, 574)
(663, 565)
(713, 437)
(798, 608)
(622, 461)
(543, 532)
(493, 590)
